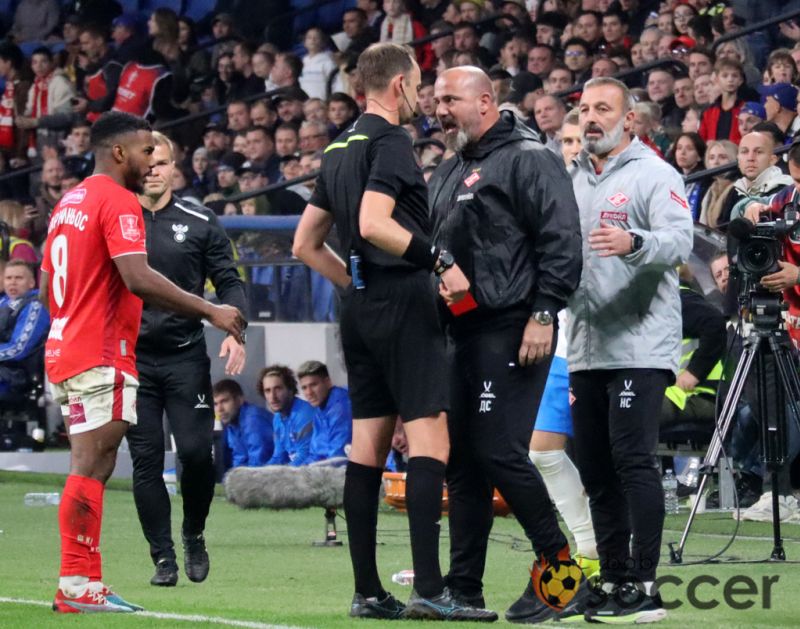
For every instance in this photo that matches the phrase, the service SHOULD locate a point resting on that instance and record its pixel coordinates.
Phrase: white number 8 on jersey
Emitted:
(58, 260)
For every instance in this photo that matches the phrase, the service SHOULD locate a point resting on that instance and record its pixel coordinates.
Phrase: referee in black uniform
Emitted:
(187, 244)
(372, 189)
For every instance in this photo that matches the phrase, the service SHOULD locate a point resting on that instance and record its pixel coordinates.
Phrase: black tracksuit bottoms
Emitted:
(493, 407)
(182, 388)
(615, 418)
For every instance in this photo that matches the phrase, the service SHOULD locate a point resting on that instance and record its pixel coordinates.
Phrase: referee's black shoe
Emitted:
(166, 573)
(195, 557)
(529, 609)
(445, 607)
(387, 608)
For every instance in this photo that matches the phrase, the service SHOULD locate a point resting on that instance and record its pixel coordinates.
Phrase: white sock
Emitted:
(649, 588)
(565, 488)
(73, 587)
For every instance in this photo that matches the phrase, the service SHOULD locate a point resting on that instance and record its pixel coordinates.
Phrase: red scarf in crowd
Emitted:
(40, 85)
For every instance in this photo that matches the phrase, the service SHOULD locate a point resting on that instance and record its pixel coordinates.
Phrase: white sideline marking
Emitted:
(164, 616)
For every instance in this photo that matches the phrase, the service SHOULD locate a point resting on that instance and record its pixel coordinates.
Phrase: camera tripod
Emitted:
(767, 347)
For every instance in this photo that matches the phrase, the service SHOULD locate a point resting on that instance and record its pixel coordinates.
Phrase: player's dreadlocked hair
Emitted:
(115, 123)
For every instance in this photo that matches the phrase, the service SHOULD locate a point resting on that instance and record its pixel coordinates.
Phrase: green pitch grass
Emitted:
(264, 569)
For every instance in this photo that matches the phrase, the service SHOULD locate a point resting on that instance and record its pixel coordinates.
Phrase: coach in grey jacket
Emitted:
(624, 341)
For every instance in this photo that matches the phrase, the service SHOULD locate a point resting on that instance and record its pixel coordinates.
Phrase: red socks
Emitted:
(80, 517)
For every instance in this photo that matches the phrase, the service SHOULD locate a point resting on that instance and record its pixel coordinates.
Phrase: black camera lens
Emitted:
(757, 257)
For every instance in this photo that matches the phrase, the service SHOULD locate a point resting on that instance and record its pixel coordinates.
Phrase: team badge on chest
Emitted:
(180, 232)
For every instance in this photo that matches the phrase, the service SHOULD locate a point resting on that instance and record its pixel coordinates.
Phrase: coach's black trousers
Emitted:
(615, 417)
(182, 388)
(493, 407)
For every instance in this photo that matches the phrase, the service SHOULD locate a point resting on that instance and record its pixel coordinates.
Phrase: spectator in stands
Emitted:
(215, 141)
(718, 153)
(720, 119)
(760, 175)
(649, 42)
(262, 114)
(683, 93)
(705, 91)
(687, 158)
(239, 144)
(660, 87)
(333, 416)
(541, 59)
(781, 67)
(738, 50)
(604, 67)
(127, 44)
(293, 418)
(342, 112)
(200, 179)
(780, 102)
(285, 72)
(196, 60)
(549, 113)
(289, 105)
(101, 75)
(426, 122)
(12, 213)
(238, 116)
(48, 99)
(13, 143)
(442, 44)
(249, 83)
(578, 57)
(50, 188)
(701, 61)
(24, 323)
(145, 88)
(286, 139)
(466, 39)
(227, 169)
(313, 136)
(222, 29)
(318, 64)
(261, 151)
(34, 20)
(262, 62)
(374, 12)
(226, 82)
(400, 27)
(560, 79)
(691, 119)
(315, 110)
(356, 34)
(510, 55)
(570, 137)
(588, 27)
(647, 126)
(615, 29)
(248, 428)
(750, 115)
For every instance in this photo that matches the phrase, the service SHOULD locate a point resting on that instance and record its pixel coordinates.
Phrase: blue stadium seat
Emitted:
(148, 6)
(198, 9)
(28, 47)
(129, 7)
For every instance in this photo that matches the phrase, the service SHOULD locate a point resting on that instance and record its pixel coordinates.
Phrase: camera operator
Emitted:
(624, 342)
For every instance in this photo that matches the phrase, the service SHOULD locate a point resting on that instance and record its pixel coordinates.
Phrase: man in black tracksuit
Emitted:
(503, 206)
(186, 243)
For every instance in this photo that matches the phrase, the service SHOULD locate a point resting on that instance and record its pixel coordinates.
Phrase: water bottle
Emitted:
(693, 472)
(404, 577)
(38, 499)
(172, 489)
(670, 484)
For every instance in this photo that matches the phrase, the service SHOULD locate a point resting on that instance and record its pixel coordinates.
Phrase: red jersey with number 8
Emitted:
(95, 318)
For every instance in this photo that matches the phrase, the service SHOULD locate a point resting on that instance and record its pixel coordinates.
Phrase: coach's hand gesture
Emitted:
(228, 319)
(454, 285)
(610, 240)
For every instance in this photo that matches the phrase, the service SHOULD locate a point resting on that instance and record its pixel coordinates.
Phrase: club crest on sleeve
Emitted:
(129, 226)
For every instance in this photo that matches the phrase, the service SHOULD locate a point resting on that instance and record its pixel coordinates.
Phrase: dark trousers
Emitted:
(183, 390)
(615, 417)
(494, 404)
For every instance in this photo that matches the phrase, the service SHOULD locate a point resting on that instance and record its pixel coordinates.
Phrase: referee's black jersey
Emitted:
(372, 155)
(186, 244)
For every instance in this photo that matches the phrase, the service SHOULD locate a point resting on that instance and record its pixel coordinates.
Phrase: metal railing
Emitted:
(726, 168)
(753, 28)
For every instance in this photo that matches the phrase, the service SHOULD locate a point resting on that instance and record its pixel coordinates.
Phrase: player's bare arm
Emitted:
(309, 246)
(154, 288)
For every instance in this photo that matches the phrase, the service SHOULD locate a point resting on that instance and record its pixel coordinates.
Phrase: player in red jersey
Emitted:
(94, 278)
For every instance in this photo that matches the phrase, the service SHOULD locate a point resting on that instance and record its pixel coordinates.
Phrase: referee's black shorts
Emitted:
(394, 347)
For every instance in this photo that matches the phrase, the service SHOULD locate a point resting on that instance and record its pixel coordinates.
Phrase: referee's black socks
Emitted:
(361, 494)
(424, 486)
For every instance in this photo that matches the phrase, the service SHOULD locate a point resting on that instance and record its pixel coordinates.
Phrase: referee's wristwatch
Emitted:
(542, 317)
(443, 262)
(637, 242)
